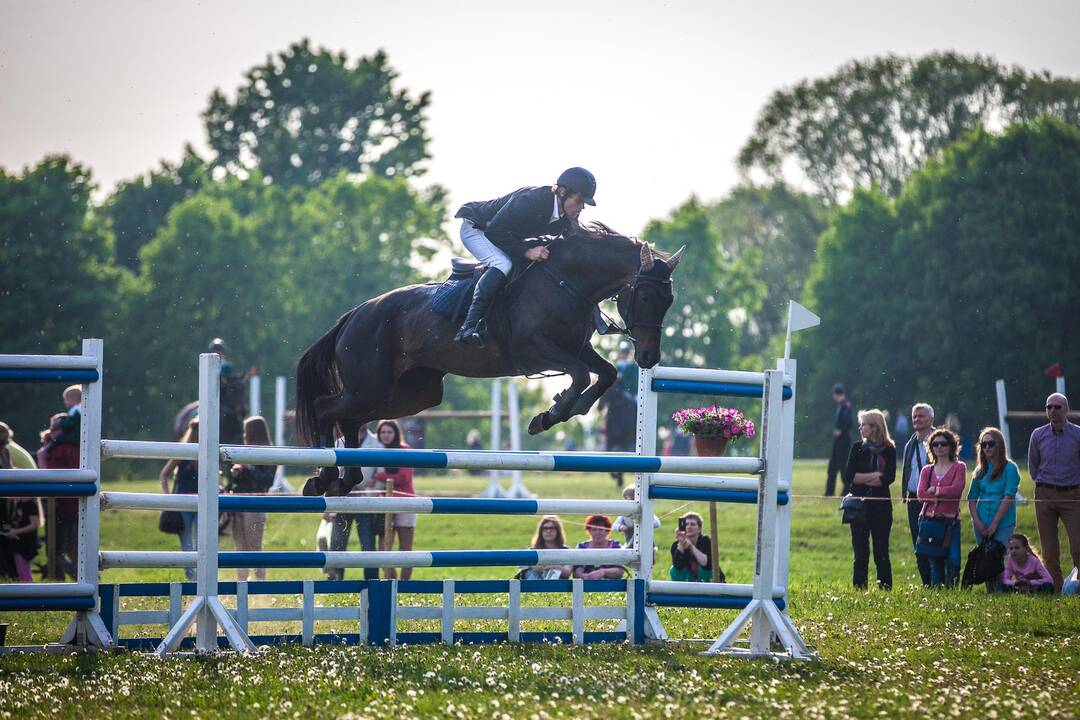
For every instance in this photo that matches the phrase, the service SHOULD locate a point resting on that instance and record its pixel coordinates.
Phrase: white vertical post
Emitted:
(1003, 410)
(513, 406)
(255, 395)
(1059, 384)
(787, 366)
(87, 628)
(206, 572)
(494, 489)
(280, 483)
(643, 520)
(206, 610)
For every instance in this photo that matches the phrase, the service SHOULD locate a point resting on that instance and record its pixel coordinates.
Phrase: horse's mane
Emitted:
(596, 230)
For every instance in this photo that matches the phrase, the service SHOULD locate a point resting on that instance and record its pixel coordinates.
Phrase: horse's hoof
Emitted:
(313, 487)
(536, 425)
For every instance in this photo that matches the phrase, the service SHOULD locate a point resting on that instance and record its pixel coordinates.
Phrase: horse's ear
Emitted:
(673, 261)
(646, 256)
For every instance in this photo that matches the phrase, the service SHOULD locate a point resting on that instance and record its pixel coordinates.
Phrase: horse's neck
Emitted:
(599, 269)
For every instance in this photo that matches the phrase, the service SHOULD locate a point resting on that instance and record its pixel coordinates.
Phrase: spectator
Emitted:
(625, 524)
(549, 536)
(1024, 571)
(474, 443)
(628, 370)
(1054, 464)
(870, 469)
(185, 475)
(598, 527)
(993, 490)
(915, 458)
(20, 519)
(60, 451)
(248, 527)
(17, 456)
(679, 443)
(841, 432)
(691, 553)
(403, 524)
(902, 426)
(369, 527)
(941, 485)
(620, 423)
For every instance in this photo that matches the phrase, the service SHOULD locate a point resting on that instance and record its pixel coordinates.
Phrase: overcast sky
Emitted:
(655, 98)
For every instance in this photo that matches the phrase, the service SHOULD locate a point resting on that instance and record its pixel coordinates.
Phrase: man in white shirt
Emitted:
(915, 457)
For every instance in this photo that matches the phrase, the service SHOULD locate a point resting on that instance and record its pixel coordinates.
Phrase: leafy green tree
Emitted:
(874, 122)
(59, 278)
(307, 114)
(959, 281)
(137, 208)
(713, 295)
(771, 232)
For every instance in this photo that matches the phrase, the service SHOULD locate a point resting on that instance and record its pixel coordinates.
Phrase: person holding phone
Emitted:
(691, 553)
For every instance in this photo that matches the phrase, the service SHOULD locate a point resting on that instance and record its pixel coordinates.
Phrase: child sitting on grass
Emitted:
(1024, 570)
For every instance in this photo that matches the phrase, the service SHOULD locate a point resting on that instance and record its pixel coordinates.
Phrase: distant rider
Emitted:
(499, 231)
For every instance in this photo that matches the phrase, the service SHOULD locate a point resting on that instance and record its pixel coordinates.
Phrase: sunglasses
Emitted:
(988, 444)
(549, 527)
(1054, 407)
(940, 443)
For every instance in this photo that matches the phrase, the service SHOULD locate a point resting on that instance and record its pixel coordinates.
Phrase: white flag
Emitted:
(799, 318)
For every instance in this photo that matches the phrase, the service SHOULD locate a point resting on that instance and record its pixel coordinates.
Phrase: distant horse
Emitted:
(387, 357)
(234, 409)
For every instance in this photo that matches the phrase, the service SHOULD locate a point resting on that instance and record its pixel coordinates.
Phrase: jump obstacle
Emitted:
(763, 480)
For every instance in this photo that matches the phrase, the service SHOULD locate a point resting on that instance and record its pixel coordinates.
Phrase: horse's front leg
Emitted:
(606, 374)
(564, 401)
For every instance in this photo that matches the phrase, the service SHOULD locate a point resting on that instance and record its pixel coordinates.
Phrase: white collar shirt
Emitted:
(555, 214)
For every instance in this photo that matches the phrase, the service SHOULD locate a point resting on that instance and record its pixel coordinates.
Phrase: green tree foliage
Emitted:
(137, 208)
(307, 114)
(771, 232)
(872, 123)
(268, 269)
(58, 280)
(962, 279)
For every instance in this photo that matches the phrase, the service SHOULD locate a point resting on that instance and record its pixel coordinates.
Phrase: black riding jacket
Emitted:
(513, 222)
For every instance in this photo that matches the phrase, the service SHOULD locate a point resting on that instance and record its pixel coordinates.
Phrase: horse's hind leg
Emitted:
(349, 411)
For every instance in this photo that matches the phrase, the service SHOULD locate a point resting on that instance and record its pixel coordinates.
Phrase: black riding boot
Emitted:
(486, 289)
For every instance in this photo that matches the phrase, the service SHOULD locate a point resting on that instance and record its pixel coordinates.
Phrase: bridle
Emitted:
(641, 278)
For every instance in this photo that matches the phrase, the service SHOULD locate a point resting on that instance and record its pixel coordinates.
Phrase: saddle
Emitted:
(451, 298)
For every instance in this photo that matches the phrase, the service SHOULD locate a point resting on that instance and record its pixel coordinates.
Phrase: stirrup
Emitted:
(474, 336)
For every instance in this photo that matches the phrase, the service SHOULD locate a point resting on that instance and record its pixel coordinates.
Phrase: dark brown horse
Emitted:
(387, 357)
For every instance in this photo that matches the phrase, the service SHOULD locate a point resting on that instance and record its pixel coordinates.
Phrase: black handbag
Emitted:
(853, 509)
(934, 536)
(171, 522)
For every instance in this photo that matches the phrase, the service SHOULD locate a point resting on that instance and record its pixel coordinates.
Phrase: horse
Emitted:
(387, 357)
(233, 410)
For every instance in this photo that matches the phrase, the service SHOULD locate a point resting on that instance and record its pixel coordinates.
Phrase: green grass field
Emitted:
(906, 653)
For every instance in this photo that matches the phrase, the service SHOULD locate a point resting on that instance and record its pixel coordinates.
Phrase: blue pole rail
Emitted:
(47, 489)
(40, 375)
(706, 495)
(702, 387)
(706, 601)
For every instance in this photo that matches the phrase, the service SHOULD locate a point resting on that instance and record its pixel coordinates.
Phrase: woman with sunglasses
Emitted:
(993, 490)
(870, 470)
(941, 485)
(549, 536)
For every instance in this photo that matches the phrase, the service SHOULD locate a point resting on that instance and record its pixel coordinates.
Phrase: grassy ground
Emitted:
(908, 653)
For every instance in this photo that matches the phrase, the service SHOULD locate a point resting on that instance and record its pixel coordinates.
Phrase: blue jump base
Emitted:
(47, 489)
(378, 620)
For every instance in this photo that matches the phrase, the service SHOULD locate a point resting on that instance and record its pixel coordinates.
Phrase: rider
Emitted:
(217, 345)
(498, 232)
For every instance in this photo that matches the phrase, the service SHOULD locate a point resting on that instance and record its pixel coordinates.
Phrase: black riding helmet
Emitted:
(217, 344)
(579, 180)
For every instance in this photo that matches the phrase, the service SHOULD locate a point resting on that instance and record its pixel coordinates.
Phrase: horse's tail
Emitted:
(316, 376)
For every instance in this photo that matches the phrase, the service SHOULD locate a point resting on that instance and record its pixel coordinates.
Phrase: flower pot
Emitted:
(708, 445)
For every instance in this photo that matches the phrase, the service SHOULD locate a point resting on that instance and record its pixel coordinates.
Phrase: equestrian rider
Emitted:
(499, 231)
